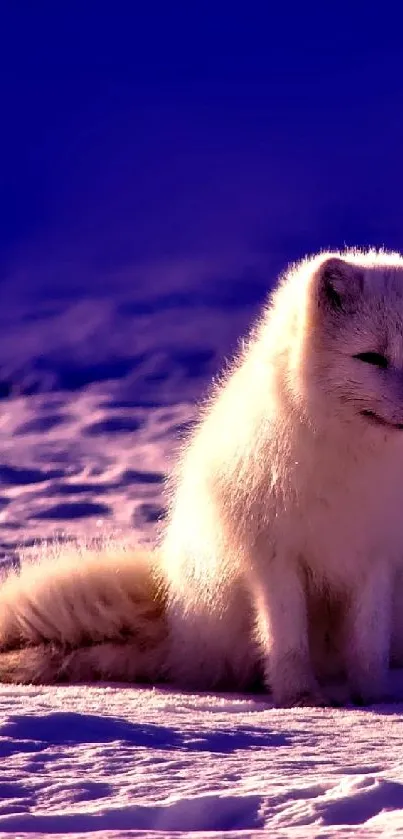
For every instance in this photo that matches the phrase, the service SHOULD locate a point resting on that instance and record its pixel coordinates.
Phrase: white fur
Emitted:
(284, 544)
(288, 503)
(81, 613)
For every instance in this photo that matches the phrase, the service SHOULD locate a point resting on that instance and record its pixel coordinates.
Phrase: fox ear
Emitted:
(340, 285)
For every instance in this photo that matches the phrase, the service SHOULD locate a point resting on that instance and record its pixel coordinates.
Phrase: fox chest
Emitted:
(351, 518)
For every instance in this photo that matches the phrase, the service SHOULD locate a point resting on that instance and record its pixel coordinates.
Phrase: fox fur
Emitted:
(281, 562)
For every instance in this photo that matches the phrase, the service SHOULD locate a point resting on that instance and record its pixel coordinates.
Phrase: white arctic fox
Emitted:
(280, 562)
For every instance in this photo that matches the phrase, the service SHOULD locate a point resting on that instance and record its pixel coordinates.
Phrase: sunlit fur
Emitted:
(286, 524)
(284, 543)
(81, 613)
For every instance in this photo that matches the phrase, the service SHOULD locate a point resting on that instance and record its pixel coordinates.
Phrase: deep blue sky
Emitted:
(182, 128)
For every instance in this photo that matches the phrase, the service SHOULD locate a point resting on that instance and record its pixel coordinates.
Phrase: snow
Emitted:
(130, 761)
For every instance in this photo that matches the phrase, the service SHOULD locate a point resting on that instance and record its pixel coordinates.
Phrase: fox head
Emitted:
(350, 353)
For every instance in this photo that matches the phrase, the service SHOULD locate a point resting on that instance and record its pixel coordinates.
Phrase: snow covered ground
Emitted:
(124, 761)
(97, 389)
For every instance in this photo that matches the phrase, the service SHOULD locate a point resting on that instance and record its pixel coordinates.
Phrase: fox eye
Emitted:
(374, 358)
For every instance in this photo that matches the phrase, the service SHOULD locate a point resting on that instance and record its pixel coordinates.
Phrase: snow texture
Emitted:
(125, 761)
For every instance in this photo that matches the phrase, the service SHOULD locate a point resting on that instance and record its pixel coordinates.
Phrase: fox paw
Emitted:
(364, 698)
(369, 691)
(306, 698)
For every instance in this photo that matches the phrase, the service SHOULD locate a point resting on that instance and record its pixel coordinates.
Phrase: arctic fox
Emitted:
(281, 559)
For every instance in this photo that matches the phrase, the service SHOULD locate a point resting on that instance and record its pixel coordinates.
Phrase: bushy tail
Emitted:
(83, 614)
